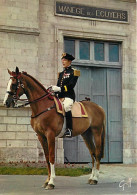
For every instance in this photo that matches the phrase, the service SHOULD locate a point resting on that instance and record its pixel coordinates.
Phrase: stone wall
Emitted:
(18, 142)
(18, 13)
(19, 31)
(129, 91)
(19, 38)
(31, 38)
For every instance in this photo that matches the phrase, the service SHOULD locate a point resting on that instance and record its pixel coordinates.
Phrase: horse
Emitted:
(47, 123)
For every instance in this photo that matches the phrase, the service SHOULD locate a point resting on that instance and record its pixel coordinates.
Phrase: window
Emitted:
(69, 47)
(84, 50)
(113, 52)
(99, 51)
(94, 52)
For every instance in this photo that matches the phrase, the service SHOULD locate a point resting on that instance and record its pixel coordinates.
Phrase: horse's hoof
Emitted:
(50, 187)
(45, 185)
(92, 182)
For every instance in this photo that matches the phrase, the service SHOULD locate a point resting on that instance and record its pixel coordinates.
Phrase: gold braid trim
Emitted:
(76, 72)
(65, 87)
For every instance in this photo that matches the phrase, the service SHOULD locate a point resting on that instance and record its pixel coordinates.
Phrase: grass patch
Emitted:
(43, 171)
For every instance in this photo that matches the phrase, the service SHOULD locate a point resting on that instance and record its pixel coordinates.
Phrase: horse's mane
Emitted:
(36, 81)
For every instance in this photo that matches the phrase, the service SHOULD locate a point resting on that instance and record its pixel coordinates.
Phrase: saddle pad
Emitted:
(78, 109)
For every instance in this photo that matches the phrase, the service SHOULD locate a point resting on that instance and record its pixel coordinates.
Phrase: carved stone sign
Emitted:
(70, 9)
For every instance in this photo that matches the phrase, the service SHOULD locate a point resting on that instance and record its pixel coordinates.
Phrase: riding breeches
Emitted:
(67, 103)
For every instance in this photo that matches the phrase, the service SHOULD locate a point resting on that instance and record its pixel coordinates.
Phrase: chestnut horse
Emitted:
(47, 123)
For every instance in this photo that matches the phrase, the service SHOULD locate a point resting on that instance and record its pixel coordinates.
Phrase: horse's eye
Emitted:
(14, 86)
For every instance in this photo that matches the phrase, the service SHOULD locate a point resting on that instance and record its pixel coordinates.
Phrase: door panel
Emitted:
(102, 86)
(70, 149)
(83, 87)
(114, 115)
(99, 96)
(83, 152)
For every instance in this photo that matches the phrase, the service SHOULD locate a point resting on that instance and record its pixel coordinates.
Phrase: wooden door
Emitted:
(102, 86)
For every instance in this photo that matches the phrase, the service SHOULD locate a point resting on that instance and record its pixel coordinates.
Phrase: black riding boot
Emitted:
(68, 132)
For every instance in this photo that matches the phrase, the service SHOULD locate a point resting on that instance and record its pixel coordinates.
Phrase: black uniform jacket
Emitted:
(67, 81)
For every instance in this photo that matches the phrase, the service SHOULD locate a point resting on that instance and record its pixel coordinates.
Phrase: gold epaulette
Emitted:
(76, 72)
(58, 74)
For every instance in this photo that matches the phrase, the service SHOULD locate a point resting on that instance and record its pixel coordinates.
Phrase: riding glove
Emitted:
(56, 88)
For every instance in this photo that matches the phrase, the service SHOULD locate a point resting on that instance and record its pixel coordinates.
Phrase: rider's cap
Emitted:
(67, 56)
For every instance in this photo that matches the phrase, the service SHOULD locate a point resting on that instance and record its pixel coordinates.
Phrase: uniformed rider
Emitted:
(65, 88)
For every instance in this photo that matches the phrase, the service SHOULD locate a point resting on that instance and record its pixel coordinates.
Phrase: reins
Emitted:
(34, 101)
(48, 109)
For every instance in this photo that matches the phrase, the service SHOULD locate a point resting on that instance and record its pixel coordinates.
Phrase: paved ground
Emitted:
(114, 179)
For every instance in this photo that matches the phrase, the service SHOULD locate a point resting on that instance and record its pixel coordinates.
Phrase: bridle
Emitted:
(15, 94)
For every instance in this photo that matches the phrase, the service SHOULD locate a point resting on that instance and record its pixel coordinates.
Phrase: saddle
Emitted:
(78, 109)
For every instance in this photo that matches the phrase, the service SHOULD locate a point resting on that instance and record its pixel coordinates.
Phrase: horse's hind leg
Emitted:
(92, 139)
(44, 144)
(98, 155)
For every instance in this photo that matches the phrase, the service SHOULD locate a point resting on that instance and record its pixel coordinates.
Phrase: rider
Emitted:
(66, 82)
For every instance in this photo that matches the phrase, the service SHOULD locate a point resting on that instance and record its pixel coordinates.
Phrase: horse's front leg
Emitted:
(51, 146)
(44, 144)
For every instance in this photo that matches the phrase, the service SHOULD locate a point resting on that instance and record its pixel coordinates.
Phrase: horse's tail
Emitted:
(103, 139)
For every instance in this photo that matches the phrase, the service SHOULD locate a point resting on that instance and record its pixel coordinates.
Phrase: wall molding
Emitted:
(19, 30)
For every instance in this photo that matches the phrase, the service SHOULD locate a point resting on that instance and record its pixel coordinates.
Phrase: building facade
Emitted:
(102, 36)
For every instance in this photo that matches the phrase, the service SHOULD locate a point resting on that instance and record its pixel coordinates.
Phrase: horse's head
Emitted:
(15, 88)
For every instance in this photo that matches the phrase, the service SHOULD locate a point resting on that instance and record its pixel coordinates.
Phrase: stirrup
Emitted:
(68, 132)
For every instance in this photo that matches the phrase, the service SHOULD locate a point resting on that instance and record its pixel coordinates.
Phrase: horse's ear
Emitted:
(9, 71)
(17, 70)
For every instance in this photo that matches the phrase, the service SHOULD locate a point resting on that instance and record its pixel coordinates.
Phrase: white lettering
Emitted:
(123, 16)
(97, 13)
(102, 14)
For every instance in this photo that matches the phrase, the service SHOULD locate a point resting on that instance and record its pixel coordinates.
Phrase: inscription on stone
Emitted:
(70, 9)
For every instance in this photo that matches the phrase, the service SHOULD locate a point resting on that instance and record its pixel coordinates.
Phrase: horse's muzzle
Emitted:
(10, 103)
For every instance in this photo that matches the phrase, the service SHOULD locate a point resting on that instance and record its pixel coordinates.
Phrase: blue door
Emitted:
(102, 86)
